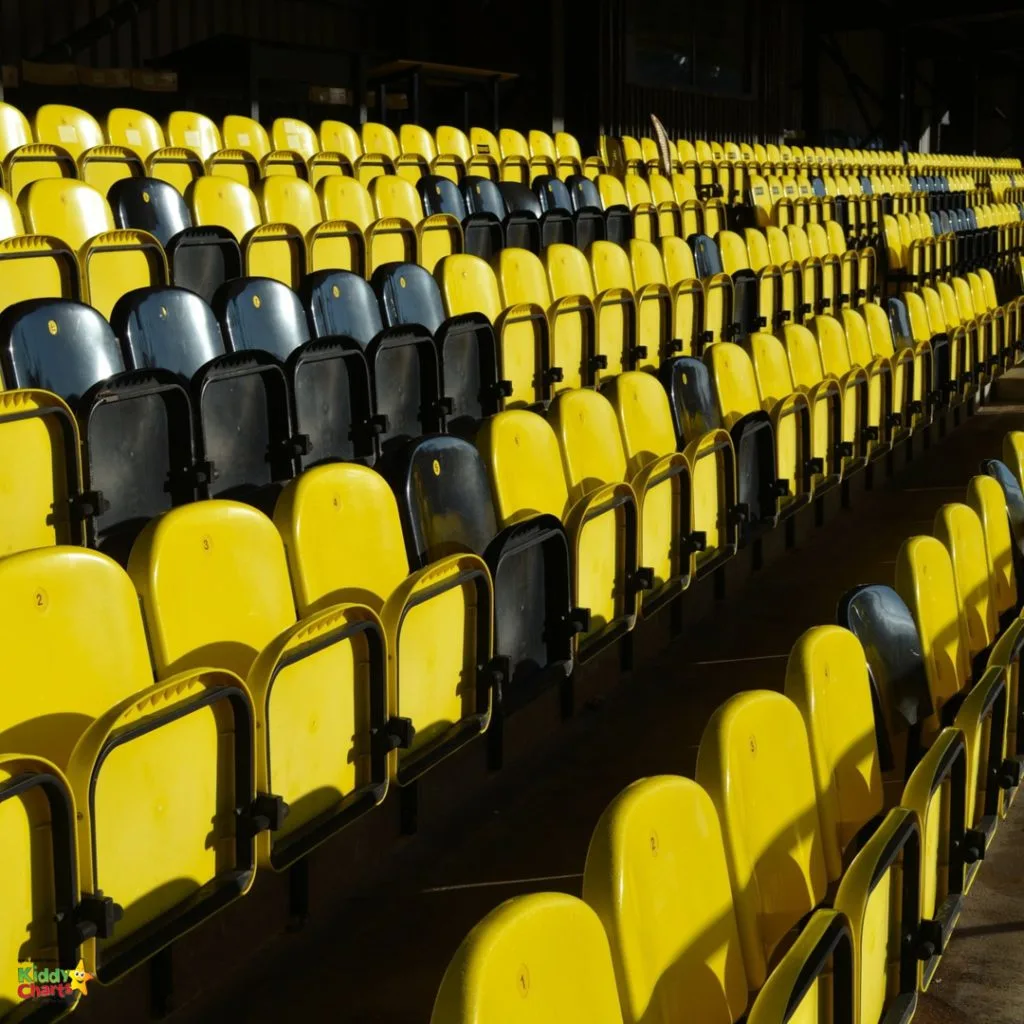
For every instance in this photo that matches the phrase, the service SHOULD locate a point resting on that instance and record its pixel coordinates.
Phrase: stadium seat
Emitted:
(453, 144)
(589, 224)
(249, 136)
(112, 262)
(22, 159)
(196, 132)
(334, 152)
(445, 504)
(593, 457)
(214, 587)
(245, 442)
(200, 259)
(656, 875)
(276, 250)
(755, 763)
(685, 331)
(149, 874)
(418, 143)
(437, 236)
(343, 539)
(572, 358)
(330, 244)
(545, 954)
(138, 131)
(524, 464)
(483, 232)
(136, 428)
(781, 437)
(986, 498)
(913, 388)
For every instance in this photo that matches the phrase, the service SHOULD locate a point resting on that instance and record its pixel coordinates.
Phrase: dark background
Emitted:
(847, 74)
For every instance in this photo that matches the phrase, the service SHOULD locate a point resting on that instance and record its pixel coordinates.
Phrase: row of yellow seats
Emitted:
(778, 886)
(65, 141)
(969, 162)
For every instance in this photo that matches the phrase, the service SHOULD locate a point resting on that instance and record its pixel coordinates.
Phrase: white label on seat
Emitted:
(191, 138)
(133, 136)
(67, 133)
(243, 138)
(293, 141)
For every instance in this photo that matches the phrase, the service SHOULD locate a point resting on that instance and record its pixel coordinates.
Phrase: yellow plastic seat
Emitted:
(707, 321)
(514, 167)
(643, 212)
(645, 423)
(776, 386)
(335, 151)
(986, 497)
(395, 199)
(23, 159)
(454, 143)
(739, 403)
(329, 244)
(911, 365)
(141, 133)
(417, 142)
(469, 285)
(568, 149)
(612, 272)
(380, 141)
(275, 250)
(535, 959)
(755, 763)
(214, 588)
(343, 539)
(614, 309)
(656, 875)
(685, 328)
(593, 457)
(155, 830)
(542, 146)
(79, 134)
(189, 130)
(249, 136)
(569, 322)
(112, 261)
(892, 423)
(514, 147)
(524, 463)
(827, 679)
(40, 471)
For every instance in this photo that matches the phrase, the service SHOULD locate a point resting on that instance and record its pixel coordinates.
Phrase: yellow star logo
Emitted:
(80, 977)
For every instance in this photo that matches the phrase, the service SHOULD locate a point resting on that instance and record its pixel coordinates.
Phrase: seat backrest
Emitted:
(166, 328)
(835, 354)
(804, 355)
(297, 136)
(287, 200)
(213, 582)
(735, 384)
(925, 581)
(396, 197)
(339, 302)
(15, 130)
(706, 257)
(417, 140)
(343, 537)
(67, 209)
(568, 271)
(657, 877)
(521, 453)
(733, 251)
(692, 398)
(468, 285)
(609, 264)
(959, 528)
(552, 193)
(444, 499)
(588, 435)
(57, 345)
(335, 137)
(522, 278)
(379, 138)
(68, 127)
(244, 133)
(827, 679)
(344, 198)
(261, 314)
(583, 192)
(135, 130)
(519, 198)
(879, 329)
(857, 340)
(612, 192)
(755, 763)
(646, 262)
(482, 141)
(899, 320)
(774, 377)
(1012, 494)
(986, 497)
(408, 294)
(483, 196)
(85, 654)
(148, 204)
(441, 195)
(193, 131)
(225, 202)
(645, 418)
(535, 959)
(678, 259)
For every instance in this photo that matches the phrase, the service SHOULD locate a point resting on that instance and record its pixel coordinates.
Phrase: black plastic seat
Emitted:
(329, 379)
(445, 503)
(136, 427)
(244, 439)
(745, 316)
(521, 227)
(585, 200)
(339, 302)
(465, 345)
(588, 222)
(899, 322)
(200, 258)
(695, 413)
(880, 619)
(483, 231)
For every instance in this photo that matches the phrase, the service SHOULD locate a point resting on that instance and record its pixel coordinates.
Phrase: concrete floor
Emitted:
(386, 915)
